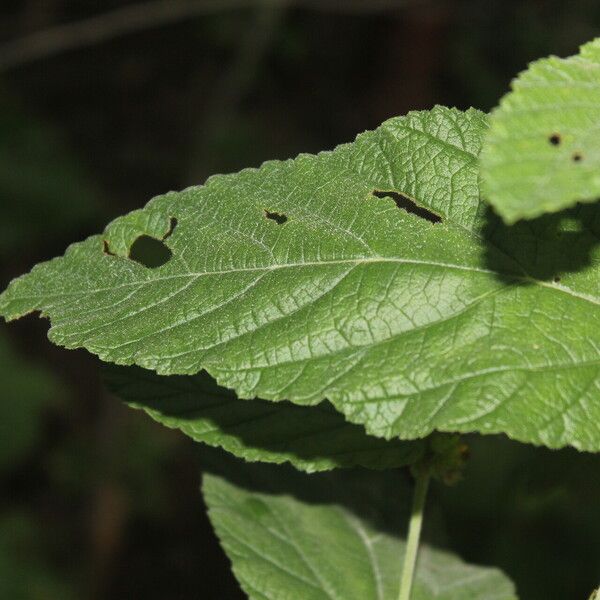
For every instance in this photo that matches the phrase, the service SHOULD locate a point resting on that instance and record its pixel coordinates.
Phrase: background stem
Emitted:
(414, 534)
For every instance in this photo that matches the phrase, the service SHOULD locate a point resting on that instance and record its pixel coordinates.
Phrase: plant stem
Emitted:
(414, 534)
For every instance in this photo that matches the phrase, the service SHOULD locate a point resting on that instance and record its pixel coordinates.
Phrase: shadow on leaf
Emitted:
(546, 248)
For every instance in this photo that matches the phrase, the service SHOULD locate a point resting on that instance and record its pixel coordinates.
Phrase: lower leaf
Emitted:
(313, 439)
(281, 548)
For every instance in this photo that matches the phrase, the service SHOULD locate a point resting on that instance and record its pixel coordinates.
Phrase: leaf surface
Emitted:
(281, 547)
(311, 438)
(542, 152)
(298, 281)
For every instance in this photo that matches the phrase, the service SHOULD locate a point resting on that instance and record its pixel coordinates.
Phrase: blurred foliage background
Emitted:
(105, 104)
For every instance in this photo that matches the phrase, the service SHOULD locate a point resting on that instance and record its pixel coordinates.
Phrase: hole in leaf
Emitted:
(150, 252)
(554, 139)
(410, 206)
(172, 225)
(279, 218)
(106, 248)
(577, 157)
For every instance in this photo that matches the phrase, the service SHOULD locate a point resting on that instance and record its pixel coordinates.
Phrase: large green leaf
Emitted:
(296, 281)
(281, 547)
(542, 152)
(312, 439)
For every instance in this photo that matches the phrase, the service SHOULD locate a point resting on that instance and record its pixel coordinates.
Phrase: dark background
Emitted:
(98, 116)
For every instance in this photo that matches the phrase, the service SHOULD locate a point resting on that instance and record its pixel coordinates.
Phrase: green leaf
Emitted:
(281, 547)
(405, 325)
(542, 152)
(312, 439)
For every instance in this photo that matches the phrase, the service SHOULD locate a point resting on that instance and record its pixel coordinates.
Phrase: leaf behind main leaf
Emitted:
(281, 547)
(311, 438)
(405, 322)
(542, 152)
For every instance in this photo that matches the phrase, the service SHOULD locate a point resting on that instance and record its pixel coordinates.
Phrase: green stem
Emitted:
(414, 534)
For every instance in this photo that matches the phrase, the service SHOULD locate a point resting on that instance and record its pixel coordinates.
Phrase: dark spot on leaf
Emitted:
(577, 157)
(106, 248)
(557, 279)
(279, 218)
(410, 206)
(150, 252)
(554, 139)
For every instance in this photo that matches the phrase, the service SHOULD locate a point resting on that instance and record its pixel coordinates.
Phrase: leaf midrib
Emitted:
(326, 263)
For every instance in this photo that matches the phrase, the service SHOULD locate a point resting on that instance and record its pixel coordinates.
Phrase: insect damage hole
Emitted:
(410, 206)
(150, 252)
(279, 218)
(106, 249)
(172, 225)
(554, 139)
